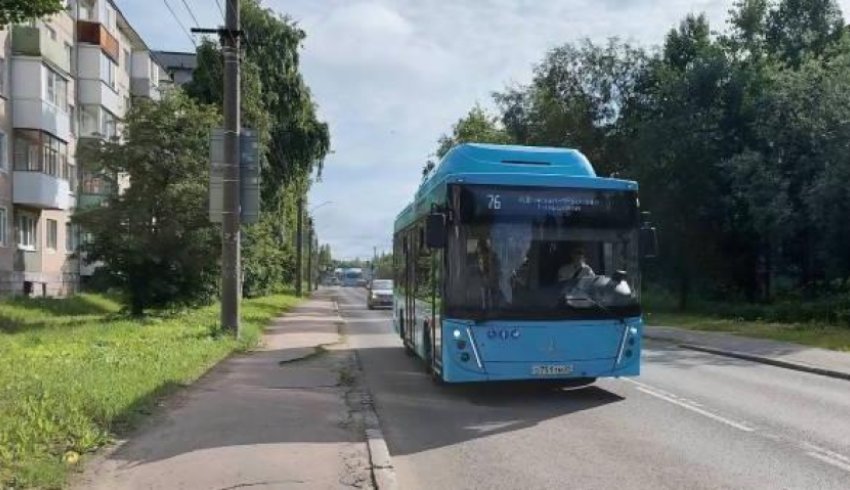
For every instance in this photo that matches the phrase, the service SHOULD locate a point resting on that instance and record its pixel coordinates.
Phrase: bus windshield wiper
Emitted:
(586, 297)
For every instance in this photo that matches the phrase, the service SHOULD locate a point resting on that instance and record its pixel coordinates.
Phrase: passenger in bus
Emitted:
(577, 267)
(488, 268)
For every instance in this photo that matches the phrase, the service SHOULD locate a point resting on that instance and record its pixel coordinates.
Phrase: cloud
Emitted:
(390, 76)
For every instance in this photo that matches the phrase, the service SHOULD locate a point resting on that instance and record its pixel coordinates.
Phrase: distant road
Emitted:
(691, 421)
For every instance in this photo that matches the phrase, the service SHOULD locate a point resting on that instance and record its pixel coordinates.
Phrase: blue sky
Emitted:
(390, 76)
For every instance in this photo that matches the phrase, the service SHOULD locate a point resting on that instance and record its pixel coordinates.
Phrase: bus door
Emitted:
(410, 288)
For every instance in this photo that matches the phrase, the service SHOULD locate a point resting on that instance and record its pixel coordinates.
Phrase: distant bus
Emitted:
(353, 277)
(519, 263)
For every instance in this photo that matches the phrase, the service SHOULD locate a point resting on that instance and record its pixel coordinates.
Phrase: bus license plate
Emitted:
(551, 370)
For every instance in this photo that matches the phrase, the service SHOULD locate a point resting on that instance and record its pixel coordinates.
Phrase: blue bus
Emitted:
(519, 263)
(353, 277)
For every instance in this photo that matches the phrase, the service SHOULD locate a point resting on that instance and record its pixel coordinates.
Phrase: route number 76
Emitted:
(494, 201)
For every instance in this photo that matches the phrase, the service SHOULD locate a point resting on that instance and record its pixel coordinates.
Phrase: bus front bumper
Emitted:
(455, 371)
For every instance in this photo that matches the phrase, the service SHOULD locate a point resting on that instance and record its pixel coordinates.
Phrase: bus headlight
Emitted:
(456, 334)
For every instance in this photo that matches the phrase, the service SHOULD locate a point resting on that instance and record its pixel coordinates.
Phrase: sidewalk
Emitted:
(792, 356)
(272, 419)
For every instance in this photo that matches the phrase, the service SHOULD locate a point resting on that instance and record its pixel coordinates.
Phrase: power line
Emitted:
(186, 31)
(220, 10)
(191, 14)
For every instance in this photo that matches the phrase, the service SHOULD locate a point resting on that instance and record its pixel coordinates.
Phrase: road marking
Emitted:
(827, 456)
(689, 405)
(830, 460)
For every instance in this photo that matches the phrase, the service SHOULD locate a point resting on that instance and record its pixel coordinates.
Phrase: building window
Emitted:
(86, 9)
(40, 152)
(4, 152)
(2, 76)
(70, 238)
(51, 32)
(108, 125)
(108, 16)
(26, 226)
(127, 61)
(72, 115)
(107, 70)
(89, 120)
(3, 227)
(57, 89)
(26, 151)
(69, 53)
(52, 234)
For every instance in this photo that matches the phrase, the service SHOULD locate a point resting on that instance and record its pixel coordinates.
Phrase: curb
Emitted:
(795, 366)
(380, 461)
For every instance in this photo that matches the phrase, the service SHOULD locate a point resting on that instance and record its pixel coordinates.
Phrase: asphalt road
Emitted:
(691, 420)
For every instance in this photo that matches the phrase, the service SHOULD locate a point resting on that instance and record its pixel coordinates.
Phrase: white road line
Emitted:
(691, 407)
(829, 453)
(830, 460)
(821, 454)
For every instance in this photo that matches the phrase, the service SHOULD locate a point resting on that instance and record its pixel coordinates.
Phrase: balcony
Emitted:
(40, 190)
(43, 115)
(144, 87)
(27, 261)
(32, 41)
(94, 190)
(144, 76)
(95, 33)
(99, 93)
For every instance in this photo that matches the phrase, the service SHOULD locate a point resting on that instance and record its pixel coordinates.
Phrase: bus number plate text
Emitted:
(551, 370)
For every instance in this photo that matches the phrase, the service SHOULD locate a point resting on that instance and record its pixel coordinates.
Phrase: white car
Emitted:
(379, 294)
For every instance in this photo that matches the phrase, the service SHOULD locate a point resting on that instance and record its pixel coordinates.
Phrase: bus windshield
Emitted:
(532, 259)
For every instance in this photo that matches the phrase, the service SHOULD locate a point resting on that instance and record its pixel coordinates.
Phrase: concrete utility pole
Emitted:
(299, 242)
(231, 283)
(309, 255)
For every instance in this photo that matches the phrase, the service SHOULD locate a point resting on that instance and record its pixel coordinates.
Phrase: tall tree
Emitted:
(575, 99)
(293, 141)
(800, 27)
(154, 238)
(15, 11)
(476, 127)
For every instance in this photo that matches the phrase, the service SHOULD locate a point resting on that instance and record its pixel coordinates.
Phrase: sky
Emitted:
(391, 76)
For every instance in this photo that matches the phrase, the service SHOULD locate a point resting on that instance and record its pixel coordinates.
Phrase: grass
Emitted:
(76, 372)
(812, 334)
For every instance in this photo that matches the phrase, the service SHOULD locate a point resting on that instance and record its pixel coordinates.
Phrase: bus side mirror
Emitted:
(436, 234)
(648, 242)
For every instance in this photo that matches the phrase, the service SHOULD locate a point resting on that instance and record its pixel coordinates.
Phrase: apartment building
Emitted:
(65, 80)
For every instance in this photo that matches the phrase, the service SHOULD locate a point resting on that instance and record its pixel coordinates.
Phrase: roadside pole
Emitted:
(299, 243)
(309, 255)
(230, 239)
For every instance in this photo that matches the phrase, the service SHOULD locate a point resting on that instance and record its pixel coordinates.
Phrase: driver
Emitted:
(576, 268)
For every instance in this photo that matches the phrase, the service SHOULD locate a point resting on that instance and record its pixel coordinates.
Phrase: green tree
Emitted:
(476, 127)
(797, 28)
(293, 142)
(575, 100)
(15, 11)
(154, 238)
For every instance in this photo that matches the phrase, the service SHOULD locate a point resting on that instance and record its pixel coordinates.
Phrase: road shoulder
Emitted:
(259, 419)
(781, 354)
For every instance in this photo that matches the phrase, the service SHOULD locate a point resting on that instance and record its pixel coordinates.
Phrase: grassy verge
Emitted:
(75, 372)
(813, 334)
